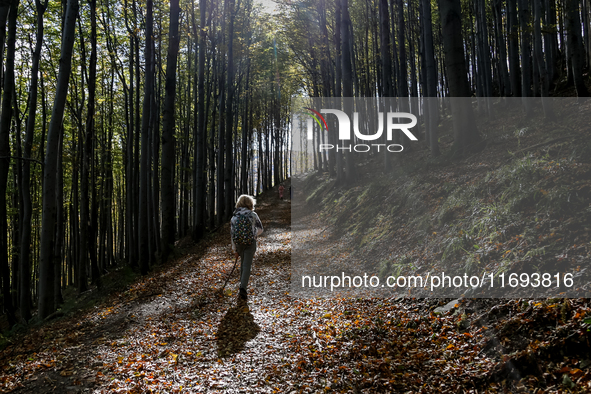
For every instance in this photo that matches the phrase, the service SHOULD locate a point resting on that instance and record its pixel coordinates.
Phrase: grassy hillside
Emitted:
(523, 203)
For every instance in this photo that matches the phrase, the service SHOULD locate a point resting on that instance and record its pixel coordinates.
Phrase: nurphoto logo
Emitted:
(344, 127)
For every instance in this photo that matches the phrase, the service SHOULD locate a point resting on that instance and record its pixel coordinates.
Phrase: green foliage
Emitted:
(389, 267)
(455, 246)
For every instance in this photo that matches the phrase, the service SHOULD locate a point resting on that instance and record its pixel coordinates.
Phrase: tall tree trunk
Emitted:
(87, 234)
(200, 141)
(220, 201)
(74, 216)
(130, 175)
(586, 30)
(332, 139)
(245, 158)
(575, 46)
(465, 132)
(396, 63)
(143, 223)
(403, 72)
(59, 228)
(385, 45)
(324, 72)
(211, 150)
(25, 247)
(46, 271)
(526, 64)
(484, 47)
(539, 58)
(386, 58)
(411, 51)
(504, 81)
(141, 248)
(154, 138)
(514, 66)
(431, 80)
(5, 120)
(550, 40)
(220, 193)
(228, 183)
(168, 139)
(347, 77)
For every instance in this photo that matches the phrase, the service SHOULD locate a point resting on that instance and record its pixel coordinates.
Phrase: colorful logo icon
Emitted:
(316, 115)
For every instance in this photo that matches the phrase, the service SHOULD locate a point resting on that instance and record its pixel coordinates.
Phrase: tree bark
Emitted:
(465, 132)
(347, 77)
(143, 222)
(25, 255)
(575, 46)
(46, 271)
(526, 64)
(431, 80)
(541, 63)
(199, 148)
(168, 139)
(228, 182)
(514, 67)
(403, 72)
(504, 81)
(87, 233)
(5, 120)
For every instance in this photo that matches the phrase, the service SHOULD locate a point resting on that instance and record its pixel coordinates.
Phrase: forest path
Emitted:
(171, 332)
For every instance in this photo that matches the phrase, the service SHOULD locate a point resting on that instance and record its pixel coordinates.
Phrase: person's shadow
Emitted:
(236, 328)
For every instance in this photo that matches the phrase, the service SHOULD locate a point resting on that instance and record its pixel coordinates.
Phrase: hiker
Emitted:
(281, 189)
(245, 227)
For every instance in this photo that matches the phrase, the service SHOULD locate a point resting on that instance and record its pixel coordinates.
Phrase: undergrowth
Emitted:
(461, 219)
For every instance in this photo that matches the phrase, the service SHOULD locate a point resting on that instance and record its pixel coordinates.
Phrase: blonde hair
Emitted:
(246, 201)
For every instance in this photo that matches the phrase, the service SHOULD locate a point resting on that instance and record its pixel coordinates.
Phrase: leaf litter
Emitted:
(169, 332)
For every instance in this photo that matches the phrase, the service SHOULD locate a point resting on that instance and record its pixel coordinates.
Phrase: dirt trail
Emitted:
(171, 331)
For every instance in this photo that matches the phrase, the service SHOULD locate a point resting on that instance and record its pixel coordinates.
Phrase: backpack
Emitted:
(243, 234)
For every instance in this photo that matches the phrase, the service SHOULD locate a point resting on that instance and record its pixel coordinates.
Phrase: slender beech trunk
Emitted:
(228, 183)
(200, 141)
(46, 271)
(138, 127)
(403, 73)
(220, 207)
(168, 139)
(386, 58)
(465, 132)
(25, 254)
(431, 80)
(336, 157)
(575, 46)
(539, 59)
(245, 133)
(143, 235)
(504, 81)
(550, 40)
(88, 230)
(514, 66)
(59, 228)
(526, 64)
(347, 77)
(130, 190)
(5, 120)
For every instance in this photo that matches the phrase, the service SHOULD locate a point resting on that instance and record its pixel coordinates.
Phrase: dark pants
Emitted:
(246, 255)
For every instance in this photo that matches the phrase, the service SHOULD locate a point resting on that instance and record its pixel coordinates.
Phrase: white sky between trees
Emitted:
(268, 6)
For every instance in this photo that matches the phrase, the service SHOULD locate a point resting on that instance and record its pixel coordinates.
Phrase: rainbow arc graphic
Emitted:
(317, 117)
